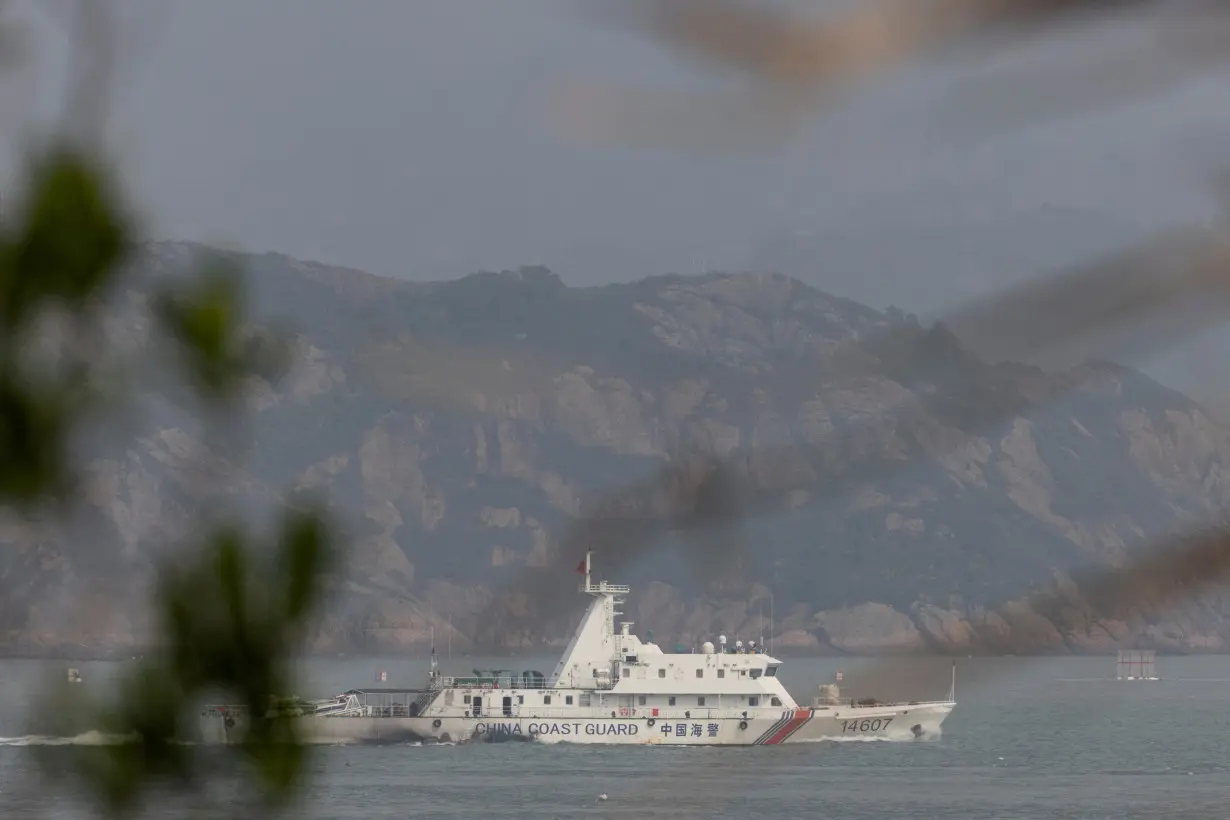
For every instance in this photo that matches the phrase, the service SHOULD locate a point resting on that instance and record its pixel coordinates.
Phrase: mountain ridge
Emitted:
(460, 427)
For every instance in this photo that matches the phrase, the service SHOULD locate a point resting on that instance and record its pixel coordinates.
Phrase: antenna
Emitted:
(435, 670)
(952, 690)
(762, 646)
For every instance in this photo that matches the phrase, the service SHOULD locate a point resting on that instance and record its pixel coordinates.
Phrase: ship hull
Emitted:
(896, 722)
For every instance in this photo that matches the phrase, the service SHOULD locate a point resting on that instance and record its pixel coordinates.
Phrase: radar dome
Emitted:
(707, 647)
(722, 639)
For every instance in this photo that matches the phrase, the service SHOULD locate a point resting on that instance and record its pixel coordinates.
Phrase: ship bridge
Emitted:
(600, 657)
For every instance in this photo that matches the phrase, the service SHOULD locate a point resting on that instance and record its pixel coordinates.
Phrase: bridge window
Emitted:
(753, 701)
(661, 673)
(567, 700)
(775, 701)
(546, 700)
(721, 673)
(700, 673)
(771, 672)
(756, 673)
(671, 700)
(700, 701)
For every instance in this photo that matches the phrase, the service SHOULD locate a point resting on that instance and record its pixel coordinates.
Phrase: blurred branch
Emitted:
(797, 66)
(93, 70)
(204, 320)
(1166, 52)
(229, 622)
(62, 251)
(227, 629)
(231, 613)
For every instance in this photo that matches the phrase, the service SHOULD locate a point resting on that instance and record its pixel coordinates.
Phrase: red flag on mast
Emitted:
(581, 567)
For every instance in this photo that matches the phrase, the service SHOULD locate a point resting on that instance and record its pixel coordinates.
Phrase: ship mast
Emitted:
(602, 589)
(593, 645)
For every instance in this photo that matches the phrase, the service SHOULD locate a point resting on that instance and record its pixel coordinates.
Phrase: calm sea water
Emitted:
(1041, 738)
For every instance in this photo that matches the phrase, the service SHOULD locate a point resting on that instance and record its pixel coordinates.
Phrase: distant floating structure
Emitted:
(1137, 664)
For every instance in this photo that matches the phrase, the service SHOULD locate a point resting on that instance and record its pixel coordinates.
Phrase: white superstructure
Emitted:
(608, 687)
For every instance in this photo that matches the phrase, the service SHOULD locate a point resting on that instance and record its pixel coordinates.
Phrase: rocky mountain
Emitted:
(459, 427)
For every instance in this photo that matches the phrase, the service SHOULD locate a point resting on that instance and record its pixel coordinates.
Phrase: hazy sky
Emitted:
(406, 137)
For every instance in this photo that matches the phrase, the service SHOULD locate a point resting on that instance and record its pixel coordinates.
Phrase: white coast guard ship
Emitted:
(609, 687)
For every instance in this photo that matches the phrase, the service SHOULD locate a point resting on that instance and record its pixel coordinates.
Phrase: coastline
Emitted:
(422, 652)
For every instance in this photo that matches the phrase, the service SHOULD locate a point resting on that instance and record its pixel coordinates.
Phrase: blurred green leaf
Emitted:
(147, 718)
(303, 559)
(63, 248)
(205, 321)
(231, 611)
(232, 623)
(34, 426)
(201, 320)
(69, 238)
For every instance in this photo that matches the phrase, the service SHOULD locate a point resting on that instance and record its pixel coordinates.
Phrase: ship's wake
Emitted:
(96, 738)
(90, 738)
(847, 739)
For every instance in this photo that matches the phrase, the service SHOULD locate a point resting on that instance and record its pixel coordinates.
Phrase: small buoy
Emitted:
(602, 796)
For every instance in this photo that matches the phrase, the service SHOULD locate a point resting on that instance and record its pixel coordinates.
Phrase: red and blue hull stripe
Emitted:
(790, 723)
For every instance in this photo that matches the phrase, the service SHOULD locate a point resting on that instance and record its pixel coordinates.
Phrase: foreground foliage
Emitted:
(229, 609)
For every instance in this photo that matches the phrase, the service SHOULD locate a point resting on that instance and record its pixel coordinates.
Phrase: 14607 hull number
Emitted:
(858, 726)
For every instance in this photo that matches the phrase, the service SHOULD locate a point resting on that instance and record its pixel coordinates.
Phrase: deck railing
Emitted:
(520, 683)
